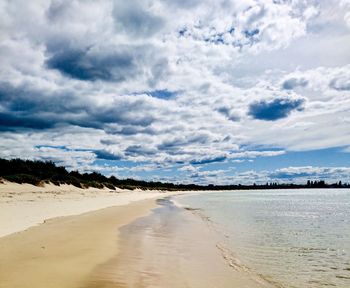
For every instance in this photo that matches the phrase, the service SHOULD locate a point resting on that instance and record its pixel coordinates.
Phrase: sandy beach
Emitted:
(62, 252)
(43, 245)
(67, 237)
(25, 205)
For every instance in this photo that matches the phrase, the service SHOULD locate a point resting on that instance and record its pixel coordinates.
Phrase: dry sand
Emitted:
(25, 205)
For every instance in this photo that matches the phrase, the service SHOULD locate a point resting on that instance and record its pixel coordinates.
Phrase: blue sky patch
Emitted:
(274, 109)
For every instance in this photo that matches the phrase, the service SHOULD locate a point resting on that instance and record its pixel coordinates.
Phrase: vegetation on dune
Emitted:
(40, 172)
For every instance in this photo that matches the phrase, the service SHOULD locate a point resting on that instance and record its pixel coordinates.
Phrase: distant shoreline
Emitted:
(39, 173)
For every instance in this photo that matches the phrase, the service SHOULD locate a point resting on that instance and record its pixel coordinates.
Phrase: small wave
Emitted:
(228, 254)
(237, 265)
(163, 201)
(177, 203)
(200, 213)
(230, 259)
(342, 277)
(320, 283)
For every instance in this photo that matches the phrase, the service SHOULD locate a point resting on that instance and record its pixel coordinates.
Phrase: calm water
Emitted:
(294, 238)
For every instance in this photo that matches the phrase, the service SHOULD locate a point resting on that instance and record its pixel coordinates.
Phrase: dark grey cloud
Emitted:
(57, 10)
(29, 108)
(274, 109)
(177, 144)
(139, 150)
(131, 112)
(84, 65)
(115, 64)
(292, 83)
(283, 175)
(171, 144)
(13, 121)
(228, 113)
(208, 160)
(105, 155)
(129, 130)
(108, 142)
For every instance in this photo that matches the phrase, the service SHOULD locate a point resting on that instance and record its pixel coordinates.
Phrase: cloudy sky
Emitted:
(225, 91)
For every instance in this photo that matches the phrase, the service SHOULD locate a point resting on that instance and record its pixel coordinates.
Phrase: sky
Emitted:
(183, 91)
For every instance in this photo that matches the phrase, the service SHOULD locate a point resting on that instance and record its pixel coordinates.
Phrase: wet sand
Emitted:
(171, 247)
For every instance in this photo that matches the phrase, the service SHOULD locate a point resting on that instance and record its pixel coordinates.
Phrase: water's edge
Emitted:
(172, 247)
(288, 238)
(224, 249)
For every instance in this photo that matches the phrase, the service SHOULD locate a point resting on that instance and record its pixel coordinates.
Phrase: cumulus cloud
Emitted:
(84, 66)
(26, 108)
(320, 79)
(109, 63)
(341, 84)
(136, 19)
(302, 174)
(293, 83)
(229, 113)
(252, 25)
(169, 84)
(299, 175)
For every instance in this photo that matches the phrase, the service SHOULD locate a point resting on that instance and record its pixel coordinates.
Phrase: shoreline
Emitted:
(170, 247)
(244, 273)
(84, 250)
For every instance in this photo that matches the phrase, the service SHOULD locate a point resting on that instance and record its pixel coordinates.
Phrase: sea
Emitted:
(290, 238)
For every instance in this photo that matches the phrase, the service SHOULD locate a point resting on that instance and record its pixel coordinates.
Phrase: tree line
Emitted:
(40, 172)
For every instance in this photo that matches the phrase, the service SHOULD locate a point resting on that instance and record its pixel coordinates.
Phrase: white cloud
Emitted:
(299, 175)
(82, 75)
